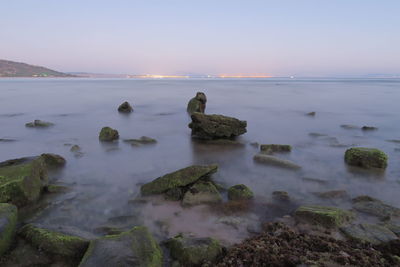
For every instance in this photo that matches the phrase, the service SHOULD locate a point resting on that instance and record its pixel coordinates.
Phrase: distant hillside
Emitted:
(16, 69)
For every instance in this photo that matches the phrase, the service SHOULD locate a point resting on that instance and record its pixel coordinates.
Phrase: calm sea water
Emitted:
(108, 176)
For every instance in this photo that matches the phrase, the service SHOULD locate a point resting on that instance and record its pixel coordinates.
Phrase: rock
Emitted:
(315, 180)
(144, 140)
(179, 178)
(255, 144)
(216, 126)
(201, 193)
(274, 161)
(39, 124)
(108, 134)
(75, 148)
(197, 103)
(332, 194)
(349, 127)
(7, 140)
(395, 228)
(239, 192)
(311, 114)
(125, 108)
(190, 251)
(372, 233)
(174, 194)
(369, 128)
(374, 207)
(136, 247)
(22, 180)
(280, 196)
(222, 142)
(8, 223)
(366, 157)
(317, 134)
(272, 148)
(55, 189)
(53, 242)
(53, 160)
(397, 141)
(329, 217)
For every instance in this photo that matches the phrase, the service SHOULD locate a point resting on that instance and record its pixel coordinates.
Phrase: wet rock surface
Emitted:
(197, 103)
(125, 108)
(371, 233)
(108, 134)
(329, 217)
(376, 207)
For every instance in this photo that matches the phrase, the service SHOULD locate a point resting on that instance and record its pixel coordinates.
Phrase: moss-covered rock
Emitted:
(53, 160)
(366, 157)
(54, 243)
(277, 162)
(39, 124)
(329, 217)
(374, 207)
(125, 107)
(144, 140)
(136, 247)
(8, 222)
(272, 148)
(22, 180)
(201, 193)
(239, 192)
(209, 127)
(197, 103)
(108, 134)
(371, 233)
(190, 251)
(179, 178)
(281, 196)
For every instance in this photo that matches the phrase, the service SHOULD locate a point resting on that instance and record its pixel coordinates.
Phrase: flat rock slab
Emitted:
(277, 162)
(372, 233)
(8, 222)
(374, 207)
(329, 217)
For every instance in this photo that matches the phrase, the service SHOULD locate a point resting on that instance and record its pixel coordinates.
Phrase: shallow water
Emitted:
(107, 176)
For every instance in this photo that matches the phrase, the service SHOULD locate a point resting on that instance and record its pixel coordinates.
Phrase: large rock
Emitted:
(201, 193)
(366, 157)
(216, 126)
(179, 178)
(329, 217)
(108, 134)
(8, 222)
(125, 108)
(197, 103)
(274, 161)
(54, 243)
(239, 192)
(136, 247)
(374, 207)
(371, 233)
(190, 251)
(22, 180)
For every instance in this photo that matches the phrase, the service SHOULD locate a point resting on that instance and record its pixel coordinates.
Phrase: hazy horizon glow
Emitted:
(271, 38)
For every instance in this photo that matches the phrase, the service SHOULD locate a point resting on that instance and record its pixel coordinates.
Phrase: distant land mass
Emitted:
(17, 69)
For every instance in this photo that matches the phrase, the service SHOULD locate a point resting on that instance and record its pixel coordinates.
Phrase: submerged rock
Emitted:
(369, 128)
(108, 134)
(197, 103)
(311, 114)
(75, 148)
(7, 140)
(179, 178)
(397, 141)
(272, 148)
(216, 126)
(144, 140)
(136, 247)
(125, 107)
(53, 160)
(190, 251)
(239, 192)
(8, 224)
(274, 161)
(366, 157)
(371, 233)
(201, 193)
(328, 217)
(55, 243)
(22, 180)
(349, 127)
(39, 124)
(374, 207)
(280, 196)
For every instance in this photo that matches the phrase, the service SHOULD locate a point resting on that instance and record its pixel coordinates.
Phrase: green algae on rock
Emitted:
(197, 103)
(179, 178)
(329, 217)
(272, 148)
(22, 180)
(274, 161)
(239, 192)
(39, 124)
(201, 193)
(366, 157)
(372, 233)
(191, 251)
(8, 223)
(136, 247)
(108, 134)
(125, 107)
(144, 140)
(54, 243)
(53, 160)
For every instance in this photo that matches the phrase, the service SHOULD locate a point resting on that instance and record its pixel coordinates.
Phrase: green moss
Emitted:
(147, 249)
(8, 222)
(239, 192)
(366, 157)
(271, 148)
(329, 217)
(108, 134)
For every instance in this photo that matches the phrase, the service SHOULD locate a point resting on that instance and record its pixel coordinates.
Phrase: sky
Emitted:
(170, 37)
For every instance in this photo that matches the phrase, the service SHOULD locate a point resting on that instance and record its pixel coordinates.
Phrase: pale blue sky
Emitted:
(281, 38)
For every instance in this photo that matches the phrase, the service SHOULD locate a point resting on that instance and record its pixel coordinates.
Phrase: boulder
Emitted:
(201, 193)
(136, 247)
(8, 223)
(179, 178)
(54, 243)
(39, 124)
(239, 192)
(329, 217)
(22, 180)
(366, 157)
(53, 160)
(125, 108)
(108, 134)
(371, 233)
(274, 161)
(216, 126)
(191, 251)
(374, 207)
(197, 103)
(272, 148)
